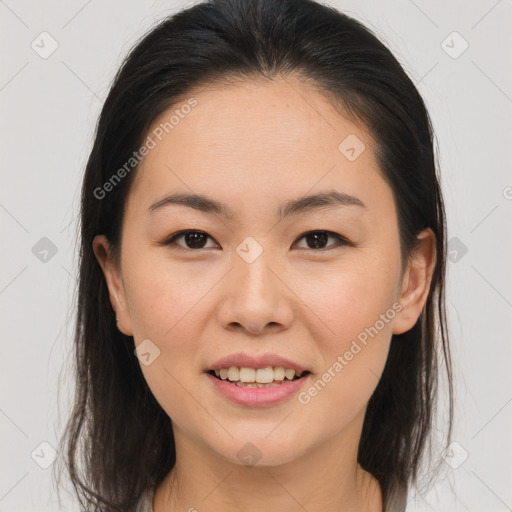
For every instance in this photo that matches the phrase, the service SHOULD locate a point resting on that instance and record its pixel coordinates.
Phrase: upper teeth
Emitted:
(260, 375)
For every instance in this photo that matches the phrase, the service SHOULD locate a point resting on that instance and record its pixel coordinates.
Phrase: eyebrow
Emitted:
(322, 200)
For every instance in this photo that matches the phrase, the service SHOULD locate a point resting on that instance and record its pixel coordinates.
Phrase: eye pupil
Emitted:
(193, 238)
(318, 237)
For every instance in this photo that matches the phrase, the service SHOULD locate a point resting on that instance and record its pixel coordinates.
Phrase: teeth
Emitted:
(289, 374)
(233, 374)
(255, 384)
(279, 373)
(265, 375)
(256, 375)
(247, 374)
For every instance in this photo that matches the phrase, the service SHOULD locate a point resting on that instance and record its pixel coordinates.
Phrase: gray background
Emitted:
(49, 108)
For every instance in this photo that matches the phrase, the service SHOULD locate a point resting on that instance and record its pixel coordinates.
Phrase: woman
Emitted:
(261, 289)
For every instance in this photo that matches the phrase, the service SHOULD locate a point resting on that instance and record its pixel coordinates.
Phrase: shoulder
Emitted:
(145, 503)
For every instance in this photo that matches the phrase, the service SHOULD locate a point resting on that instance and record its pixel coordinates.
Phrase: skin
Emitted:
(197, 305)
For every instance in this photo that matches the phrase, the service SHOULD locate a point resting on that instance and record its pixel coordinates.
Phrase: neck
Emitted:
(327, 478)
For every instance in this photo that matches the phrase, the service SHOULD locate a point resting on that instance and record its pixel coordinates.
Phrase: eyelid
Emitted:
(341, 240)
(171, 240)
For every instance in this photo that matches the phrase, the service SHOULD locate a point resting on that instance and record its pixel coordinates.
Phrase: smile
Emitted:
(257, 377)
(257, 387)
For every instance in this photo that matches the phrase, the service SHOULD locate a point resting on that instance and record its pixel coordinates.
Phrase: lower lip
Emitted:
(254, 397)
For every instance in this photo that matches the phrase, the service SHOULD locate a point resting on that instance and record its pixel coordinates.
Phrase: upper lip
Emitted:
(249, 361)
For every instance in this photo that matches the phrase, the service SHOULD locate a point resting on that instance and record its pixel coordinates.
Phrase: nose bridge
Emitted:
(255, 296)
(252, 271)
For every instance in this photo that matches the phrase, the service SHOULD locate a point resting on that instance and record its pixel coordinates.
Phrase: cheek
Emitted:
(162, 297)
(353, 320)
(353, 357)
(347, 300)
(163, 306)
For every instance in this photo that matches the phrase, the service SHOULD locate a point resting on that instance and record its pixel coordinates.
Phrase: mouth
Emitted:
(257, 377)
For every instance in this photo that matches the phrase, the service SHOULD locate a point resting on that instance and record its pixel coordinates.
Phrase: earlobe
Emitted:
(416, 281)
(111, 273)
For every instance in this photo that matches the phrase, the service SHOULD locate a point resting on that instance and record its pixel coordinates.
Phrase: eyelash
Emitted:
(341, 241)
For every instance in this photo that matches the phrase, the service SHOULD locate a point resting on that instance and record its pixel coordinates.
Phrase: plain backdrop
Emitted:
(459, 54)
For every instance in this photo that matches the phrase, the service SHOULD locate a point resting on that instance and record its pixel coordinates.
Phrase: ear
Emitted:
(112, 273)
(416, 281)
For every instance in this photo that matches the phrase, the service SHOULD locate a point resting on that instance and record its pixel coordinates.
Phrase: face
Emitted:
(317, 287)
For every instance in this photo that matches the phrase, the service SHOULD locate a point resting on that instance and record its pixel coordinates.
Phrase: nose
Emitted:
(256, 297)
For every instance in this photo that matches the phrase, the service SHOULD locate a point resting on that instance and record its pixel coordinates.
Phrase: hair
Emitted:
(117, 430)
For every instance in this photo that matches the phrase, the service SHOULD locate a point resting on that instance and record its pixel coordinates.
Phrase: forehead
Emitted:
(255, 138)
(272, 116)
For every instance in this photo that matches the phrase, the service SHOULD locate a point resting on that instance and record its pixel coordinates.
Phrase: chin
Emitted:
(258, 450)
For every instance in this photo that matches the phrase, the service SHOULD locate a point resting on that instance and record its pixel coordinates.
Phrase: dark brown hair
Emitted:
(118, 441)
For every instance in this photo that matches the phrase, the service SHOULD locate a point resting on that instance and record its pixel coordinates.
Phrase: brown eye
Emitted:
(317, 240)
(193, 239)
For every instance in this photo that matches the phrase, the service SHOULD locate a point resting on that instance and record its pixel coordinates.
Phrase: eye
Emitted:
(193, 239)
(317, 239)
